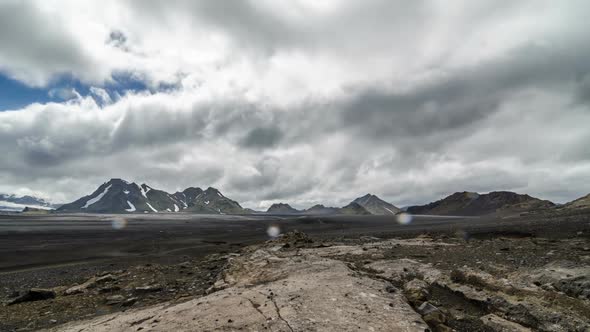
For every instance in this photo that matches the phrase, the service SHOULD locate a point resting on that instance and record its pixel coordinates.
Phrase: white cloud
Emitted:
(302, 102)
(102, 95)
(63, 93)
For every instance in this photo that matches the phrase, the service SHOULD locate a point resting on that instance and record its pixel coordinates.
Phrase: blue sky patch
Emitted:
(15, 95)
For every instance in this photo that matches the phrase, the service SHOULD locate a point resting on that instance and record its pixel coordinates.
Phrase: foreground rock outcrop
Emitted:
(277, 289)
(418, 284)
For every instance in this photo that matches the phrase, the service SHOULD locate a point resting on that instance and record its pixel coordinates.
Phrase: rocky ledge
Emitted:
(418, 284)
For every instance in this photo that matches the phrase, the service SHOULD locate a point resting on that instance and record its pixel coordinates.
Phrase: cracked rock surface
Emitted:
(416, 284)
(273, 288)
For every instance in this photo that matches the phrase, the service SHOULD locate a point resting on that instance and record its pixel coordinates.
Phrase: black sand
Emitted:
(62, 250)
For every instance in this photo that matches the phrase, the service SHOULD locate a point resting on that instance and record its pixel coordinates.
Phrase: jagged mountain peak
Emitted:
(193, 189)
(376, 205)
(354, 208)
(281, 204)
(282, 208)
(213, 191)
(119, 181)
(192, 192)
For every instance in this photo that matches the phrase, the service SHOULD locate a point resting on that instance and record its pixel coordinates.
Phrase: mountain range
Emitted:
(19, 203)
(365, 205)
(120, 196)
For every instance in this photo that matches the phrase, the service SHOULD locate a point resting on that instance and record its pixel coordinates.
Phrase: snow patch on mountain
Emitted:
(131, 207)
(143, 193)
(97, 198)
(151, 207)
(389, 210)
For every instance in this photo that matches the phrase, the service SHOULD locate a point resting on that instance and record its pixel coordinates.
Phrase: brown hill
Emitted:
(474, 204)
(580, 203)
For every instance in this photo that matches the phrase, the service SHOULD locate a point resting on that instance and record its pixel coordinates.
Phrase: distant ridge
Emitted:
(475, 204)
(580, 203)
(19, 203)
(319, 209)
(365, 205)
(282, 208)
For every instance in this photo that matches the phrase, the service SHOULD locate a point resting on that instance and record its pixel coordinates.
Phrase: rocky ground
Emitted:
(512, 277)
(31, 308)
(507, 282)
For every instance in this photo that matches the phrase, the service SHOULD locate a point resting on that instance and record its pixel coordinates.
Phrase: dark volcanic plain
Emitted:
(173, 257)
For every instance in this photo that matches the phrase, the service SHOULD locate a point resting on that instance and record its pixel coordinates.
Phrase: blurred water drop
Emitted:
(273, 231)
(404, 218)
(119, 223)
(462, 234)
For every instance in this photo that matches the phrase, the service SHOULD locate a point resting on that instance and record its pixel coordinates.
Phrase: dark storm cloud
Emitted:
(583, 88)
(155, 127)
(262, 137)
(463, 98)
(117, 38)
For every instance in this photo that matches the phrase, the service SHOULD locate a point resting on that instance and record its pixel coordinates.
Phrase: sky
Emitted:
(300, 101)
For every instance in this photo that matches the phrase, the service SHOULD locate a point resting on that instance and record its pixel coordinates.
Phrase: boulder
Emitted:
(105, 278)
(147, 289)
(416, 290)
(115, 299)
(81, 288)
(500, 324)
(33, 294)
(426, 308)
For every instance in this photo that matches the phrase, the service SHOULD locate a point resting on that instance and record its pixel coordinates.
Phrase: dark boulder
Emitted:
(33, 294)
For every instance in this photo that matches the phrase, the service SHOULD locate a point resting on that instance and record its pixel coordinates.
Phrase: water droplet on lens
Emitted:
(273, 231)
(119, 223)
(404, 218)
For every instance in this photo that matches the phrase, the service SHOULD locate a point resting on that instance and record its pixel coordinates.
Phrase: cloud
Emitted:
(36, 46)
(63, 93)
(302, 102)
(102, 95)
(262, 138)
